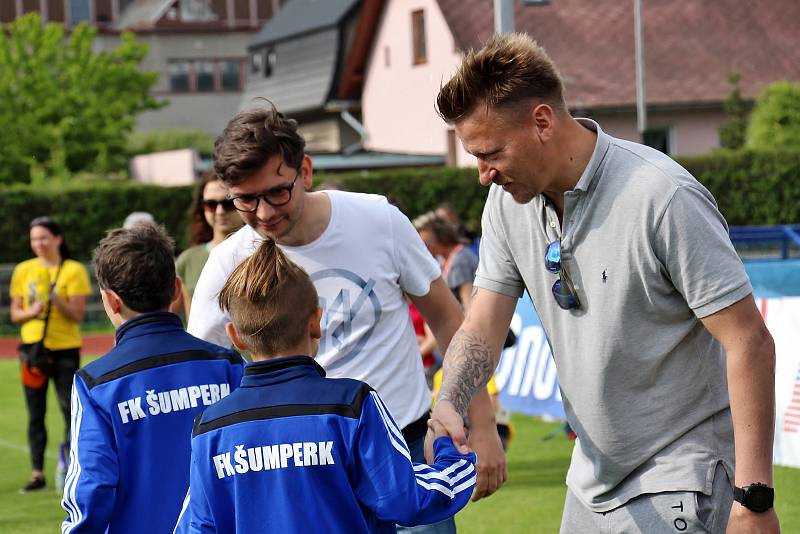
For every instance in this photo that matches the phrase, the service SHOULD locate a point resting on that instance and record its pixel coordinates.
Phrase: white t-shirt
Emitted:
(361, 264)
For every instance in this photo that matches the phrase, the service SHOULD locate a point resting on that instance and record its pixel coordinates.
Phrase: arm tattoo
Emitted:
(468, 366)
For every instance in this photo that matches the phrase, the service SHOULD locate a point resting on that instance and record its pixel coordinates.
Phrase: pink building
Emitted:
(691, 47)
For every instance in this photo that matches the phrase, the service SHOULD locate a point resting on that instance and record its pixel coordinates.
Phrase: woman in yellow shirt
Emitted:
(50, 281)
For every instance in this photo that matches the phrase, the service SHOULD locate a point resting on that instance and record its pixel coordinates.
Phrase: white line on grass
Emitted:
(22, 448)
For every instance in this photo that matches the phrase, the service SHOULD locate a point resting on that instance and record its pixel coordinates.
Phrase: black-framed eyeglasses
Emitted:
(563, 288)
(275, 197)
(211, 204)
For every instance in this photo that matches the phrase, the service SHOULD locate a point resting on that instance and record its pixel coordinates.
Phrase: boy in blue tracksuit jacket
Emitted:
(291, 451)
(132, 409)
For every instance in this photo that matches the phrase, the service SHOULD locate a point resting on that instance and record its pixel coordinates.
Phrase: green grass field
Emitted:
(530, 502)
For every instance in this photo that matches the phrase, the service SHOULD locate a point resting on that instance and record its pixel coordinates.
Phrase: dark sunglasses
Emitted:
(275, 197)
(563, 289)
(211, 204)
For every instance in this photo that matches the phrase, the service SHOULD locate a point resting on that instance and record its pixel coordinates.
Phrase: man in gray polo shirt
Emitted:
(662, 354)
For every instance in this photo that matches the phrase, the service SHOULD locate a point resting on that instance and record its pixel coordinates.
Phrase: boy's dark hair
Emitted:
(251, 138)
(138, 264)
(510, 70)
(270, 299)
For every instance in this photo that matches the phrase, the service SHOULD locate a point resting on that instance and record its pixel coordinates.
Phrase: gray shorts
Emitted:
(672, 512)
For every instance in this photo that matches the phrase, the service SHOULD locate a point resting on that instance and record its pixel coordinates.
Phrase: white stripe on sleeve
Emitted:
(69, 502)
(395, 436)
(183, 510)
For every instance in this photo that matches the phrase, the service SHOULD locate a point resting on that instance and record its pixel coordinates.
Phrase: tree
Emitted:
(732, 133)
(64, 107)
(775, 121)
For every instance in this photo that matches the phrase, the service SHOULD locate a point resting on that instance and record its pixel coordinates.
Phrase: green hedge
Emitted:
(85, 212)
(750, 187)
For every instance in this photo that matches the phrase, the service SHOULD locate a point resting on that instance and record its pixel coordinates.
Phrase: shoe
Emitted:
(35, 484)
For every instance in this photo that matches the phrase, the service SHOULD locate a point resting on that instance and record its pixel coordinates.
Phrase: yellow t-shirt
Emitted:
(31, 281)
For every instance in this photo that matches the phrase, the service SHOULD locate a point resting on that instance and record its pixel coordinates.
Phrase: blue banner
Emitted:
(526, 375)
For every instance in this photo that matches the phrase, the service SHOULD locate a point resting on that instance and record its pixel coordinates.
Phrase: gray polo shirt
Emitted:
(643, 381)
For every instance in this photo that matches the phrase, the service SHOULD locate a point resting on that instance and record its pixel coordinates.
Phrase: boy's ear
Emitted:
(177, 294)
(314, 328)
(234, 335)
(112, 300)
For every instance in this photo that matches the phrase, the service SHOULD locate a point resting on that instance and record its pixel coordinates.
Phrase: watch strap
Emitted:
(738, 494)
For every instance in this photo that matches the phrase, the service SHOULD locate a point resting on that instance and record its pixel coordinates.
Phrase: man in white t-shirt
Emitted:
(363, 254)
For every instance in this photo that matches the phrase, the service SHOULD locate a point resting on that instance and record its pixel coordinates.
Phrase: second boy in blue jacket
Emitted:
(291, 451)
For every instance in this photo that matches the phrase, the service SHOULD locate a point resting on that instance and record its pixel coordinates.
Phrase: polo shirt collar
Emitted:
(598, 155)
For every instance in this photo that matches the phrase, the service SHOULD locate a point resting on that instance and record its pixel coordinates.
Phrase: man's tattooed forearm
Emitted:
(468, 366)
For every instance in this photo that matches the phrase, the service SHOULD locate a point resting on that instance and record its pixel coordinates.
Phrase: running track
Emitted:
(94, 345)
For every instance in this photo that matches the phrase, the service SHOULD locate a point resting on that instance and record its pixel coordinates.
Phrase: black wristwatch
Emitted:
(756, 497)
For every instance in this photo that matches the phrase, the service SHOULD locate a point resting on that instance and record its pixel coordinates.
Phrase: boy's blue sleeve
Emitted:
(90, 487)
(196, 514)
(395, 489)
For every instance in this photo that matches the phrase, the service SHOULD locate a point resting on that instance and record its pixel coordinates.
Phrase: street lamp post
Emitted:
(641, 104)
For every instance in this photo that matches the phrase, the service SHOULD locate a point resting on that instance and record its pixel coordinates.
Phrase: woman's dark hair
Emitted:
(199, 230)
(444, 232)
(55, 229)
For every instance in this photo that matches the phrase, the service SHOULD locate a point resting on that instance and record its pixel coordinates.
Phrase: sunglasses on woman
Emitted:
(211, 205)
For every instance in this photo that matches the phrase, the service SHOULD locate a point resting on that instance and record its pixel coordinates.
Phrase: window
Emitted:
(179, 77)
(205, 75)
(256, 62)
(79, 11)
(230, 78)
(270, 57)
(204, 70)
(420, 53)
(658, 138)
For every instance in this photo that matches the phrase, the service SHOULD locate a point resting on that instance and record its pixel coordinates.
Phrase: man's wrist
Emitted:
(456, 402)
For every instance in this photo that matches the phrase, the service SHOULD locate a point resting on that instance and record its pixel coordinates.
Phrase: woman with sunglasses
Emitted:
(48, 300)
(213, 218)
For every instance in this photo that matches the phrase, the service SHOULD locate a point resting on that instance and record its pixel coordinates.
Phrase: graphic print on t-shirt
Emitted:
(350, 311)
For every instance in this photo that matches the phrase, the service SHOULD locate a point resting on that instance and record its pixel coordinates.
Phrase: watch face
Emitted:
(758, 497)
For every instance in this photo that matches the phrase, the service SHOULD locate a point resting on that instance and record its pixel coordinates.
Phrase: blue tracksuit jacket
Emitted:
(293, 452)
(132, 414)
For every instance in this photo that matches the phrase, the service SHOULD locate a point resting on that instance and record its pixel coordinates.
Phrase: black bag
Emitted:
(35, 354)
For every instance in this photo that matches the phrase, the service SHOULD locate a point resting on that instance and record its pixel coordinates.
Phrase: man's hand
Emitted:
(743, 521)
(445, 420)
(492, 471)
(35, 309)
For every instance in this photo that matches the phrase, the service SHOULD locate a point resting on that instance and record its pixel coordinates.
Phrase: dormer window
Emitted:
(270, 57)
(256, 62)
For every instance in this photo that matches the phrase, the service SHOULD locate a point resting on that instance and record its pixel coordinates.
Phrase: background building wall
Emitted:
(399, 96)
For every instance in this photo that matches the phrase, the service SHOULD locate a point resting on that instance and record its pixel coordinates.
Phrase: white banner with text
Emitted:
(527, 381)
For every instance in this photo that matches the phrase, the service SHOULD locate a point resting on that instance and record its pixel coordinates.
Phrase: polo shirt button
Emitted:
(552, 224)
